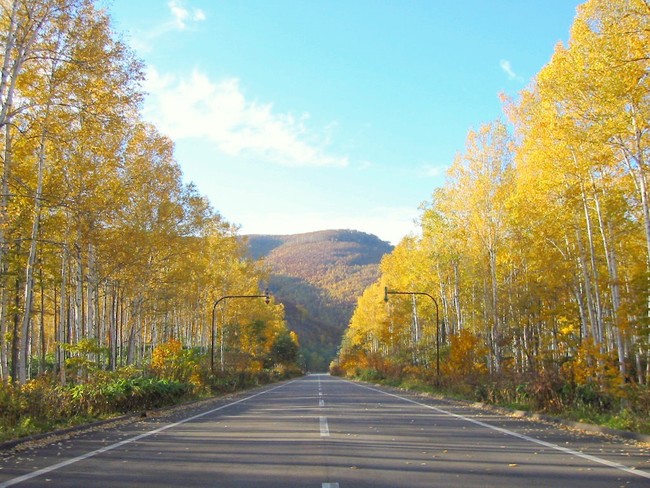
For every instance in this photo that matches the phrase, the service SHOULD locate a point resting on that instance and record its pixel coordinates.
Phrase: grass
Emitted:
(42, 405)
(30, 426)
(626, 419)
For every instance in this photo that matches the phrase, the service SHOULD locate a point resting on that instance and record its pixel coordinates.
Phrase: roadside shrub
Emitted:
(84, 362)
(638, 399)
(43, 404)
(466, 359)
(11, 404)
(32, 408)
(336, 370)
(127, 395)
(370, 375)
(43, 398)
(545, 391)
(169, 361)
(285, 371)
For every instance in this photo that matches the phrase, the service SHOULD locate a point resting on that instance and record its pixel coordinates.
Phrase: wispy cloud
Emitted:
(506, 67)
(433, 171)
(182, 15)
(197, 107)
(180, 18)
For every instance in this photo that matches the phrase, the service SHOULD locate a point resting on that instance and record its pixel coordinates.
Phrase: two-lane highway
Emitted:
(325, 432)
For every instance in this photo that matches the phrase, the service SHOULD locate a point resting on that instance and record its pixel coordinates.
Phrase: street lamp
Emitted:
(267, 300)
(387, 292)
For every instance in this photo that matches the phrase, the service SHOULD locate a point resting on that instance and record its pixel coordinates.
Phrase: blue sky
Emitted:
(300, 115)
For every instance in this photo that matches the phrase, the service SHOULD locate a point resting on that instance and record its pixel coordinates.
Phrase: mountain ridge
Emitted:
(318, 276)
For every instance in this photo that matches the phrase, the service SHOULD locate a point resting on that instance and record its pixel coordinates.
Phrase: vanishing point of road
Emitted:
(324, 432)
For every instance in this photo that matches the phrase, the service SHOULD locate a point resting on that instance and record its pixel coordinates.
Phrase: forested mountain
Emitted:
(318, 276)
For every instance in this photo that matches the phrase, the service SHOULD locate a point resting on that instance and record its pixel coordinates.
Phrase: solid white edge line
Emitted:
(62, 464)
(524, 437)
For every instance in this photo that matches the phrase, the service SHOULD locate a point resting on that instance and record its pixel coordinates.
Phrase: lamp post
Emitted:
(267, 299)
(387, 292)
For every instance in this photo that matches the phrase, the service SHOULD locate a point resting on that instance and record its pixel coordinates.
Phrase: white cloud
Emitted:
(433, 171)
(182, 15)
(198, 15)
(181, 19)
(197, 107)
(507, 69)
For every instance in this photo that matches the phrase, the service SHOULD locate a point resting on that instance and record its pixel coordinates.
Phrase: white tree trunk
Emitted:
(31, 261)
(63, 316)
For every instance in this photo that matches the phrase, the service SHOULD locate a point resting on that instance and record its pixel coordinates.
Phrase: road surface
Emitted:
(324, 432)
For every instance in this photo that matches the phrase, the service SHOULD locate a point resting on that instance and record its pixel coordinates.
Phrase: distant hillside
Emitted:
(318, 276)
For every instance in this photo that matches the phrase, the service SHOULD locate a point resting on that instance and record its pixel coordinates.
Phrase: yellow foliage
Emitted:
(591, 365)
(170, 361)
(466, 356)
(165, 356)
(538, 240)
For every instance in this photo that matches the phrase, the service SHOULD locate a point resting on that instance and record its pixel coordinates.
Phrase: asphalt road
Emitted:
(324, 432)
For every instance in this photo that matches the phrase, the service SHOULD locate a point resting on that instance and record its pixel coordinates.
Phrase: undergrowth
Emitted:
(628, 408)
(43, 404)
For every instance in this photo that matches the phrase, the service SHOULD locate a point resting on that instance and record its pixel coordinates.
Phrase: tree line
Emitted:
(537, 247)
(104, 251)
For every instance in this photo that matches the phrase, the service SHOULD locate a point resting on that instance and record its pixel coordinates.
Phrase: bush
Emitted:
(11, 405)
(32, 408)
(42, 404)
(170, 361)
(285, 371)
(127, 395)
(175, 374)
(336, 370)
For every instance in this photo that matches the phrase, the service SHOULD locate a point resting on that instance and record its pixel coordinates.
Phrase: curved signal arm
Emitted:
(267, 300)
(389, 292)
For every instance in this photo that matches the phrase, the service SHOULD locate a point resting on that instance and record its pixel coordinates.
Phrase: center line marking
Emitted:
(321, 403)
(324, 429)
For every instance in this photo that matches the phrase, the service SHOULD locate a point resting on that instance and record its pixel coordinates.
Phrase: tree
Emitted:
(538, 244)
(100, 238)
(479, 184)
(284, 350)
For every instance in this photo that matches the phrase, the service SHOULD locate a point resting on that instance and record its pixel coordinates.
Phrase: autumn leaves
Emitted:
(539, 243)
(100, 238)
